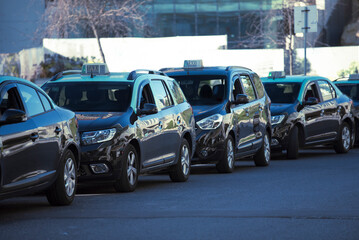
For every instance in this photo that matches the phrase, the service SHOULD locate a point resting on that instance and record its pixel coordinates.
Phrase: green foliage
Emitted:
(12, 65)
(298, 64)
(57, 63)
(353, 69)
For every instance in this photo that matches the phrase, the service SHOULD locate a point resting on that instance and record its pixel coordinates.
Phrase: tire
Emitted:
(263, 156)
(62, 191)
(343, 143)
(128, 179)
(293, 144)
(226, 162)
(181, 170)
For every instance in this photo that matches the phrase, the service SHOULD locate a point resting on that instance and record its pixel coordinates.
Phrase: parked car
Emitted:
(350, 87)
(306, 111)
(39, 143)
(130, 123)
(231, 110)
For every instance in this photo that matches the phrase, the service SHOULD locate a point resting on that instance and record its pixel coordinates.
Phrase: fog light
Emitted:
(98, 168)
(274, 142)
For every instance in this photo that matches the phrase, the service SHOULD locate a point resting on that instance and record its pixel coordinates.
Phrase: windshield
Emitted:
(351, 90)
(203, 89)
(90, 96)
(282, 92)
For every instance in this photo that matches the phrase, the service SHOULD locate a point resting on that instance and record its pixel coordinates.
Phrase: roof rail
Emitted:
(135, 73)
(61, 74)
(237, 67)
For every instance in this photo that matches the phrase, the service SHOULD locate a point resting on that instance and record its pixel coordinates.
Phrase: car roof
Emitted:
(295, 78)
(219, 70)
(112, 77)
(4, 78)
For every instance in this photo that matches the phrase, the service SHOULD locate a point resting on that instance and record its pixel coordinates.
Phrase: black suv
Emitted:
(39, 143)
(130, 123)
(231, 111)
(308, 110)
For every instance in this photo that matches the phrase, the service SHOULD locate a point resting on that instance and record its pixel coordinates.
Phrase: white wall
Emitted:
(327, 61)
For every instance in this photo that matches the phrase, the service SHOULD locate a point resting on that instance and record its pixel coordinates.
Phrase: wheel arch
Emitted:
(188, 137)
(76, 153)
(301, 134)
(136, 145)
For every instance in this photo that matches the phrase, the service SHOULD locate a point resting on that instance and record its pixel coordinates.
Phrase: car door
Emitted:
(313, 114)
(49, 125)
(241, 119)
(253, 110)
(19, 149)
(149, 129)
(169, 137)
(330, 111)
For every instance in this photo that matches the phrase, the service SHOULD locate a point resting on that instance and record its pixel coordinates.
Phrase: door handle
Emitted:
(58, 130)
(247, 112)
(34, 136)
(260, 108)
(160, 125)
(322, 113)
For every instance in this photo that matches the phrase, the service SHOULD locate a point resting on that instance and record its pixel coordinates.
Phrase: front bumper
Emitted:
(209, 145)
(280, 136)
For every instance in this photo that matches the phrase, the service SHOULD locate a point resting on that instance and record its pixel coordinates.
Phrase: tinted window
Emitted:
(248, 87)
(161, 97)
(237, 88)
(311, 91)
(351, 90)
(45, 102)
(282, 92)
(176, 92)
(259, 86)
(325, 90)
(9, 100)
(91, 96)
(203, 89)
(31, 100)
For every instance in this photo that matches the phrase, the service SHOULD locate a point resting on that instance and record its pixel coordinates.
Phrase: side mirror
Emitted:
(311, 101)
(13, 116)
(148, 108)
(241, 99)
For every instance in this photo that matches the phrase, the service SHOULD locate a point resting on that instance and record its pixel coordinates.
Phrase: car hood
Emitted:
(90, 121)
(279, 108)
(203, 111)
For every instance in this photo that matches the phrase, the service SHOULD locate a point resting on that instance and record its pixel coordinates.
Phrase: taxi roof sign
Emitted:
(354, 76)
(193, 64)
(276, 74)
(94, 69)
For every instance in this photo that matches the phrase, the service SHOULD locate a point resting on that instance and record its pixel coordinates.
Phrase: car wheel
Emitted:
(181, 170)
(226, 163)
(262, 157)
(293, 144)
(343, 143)
(128, 179)
(62, 191)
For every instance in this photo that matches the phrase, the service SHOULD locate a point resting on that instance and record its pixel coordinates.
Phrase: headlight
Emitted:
(98, 136)
(211, 122)
(277, 119)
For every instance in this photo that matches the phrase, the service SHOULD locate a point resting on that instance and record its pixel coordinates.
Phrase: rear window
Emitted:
(351, 90)
(203, 89)
(282, 92)
(90, 96)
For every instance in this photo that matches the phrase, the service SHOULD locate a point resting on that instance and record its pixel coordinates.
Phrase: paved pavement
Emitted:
(314, 197)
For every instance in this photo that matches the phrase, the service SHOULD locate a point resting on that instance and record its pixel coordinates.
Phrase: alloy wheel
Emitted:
(131, 168)
(346, 137)
(230, 154)
(69, 176)
(185, 159)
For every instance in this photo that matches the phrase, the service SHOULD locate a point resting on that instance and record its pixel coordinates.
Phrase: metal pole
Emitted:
(305, 39)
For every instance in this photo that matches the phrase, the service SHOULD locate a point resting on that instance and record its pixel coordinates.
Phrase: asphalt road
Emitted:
(314, 197)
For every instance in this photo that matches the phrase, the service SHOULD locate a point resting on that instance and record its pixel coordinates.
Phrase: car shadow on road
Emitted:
(306, 153)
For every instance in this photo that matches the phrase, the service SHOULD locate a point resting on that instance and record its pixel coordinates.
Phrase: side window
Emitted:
(259, 86)
(161, 97)
(176, 92)
(9, 99)
(248, 87)
(45, 102)
(325, 90)
(334, 93)
(146, 96)
(31, 100)
(237, 88)
(311, 91)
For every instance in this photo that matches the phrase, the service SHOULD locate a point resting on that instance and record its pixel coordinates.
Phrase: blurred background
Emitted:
(39, 38)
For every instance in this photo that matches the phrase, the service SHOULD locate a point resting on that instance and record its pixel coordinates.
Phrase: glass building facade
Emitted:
(234, 18)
